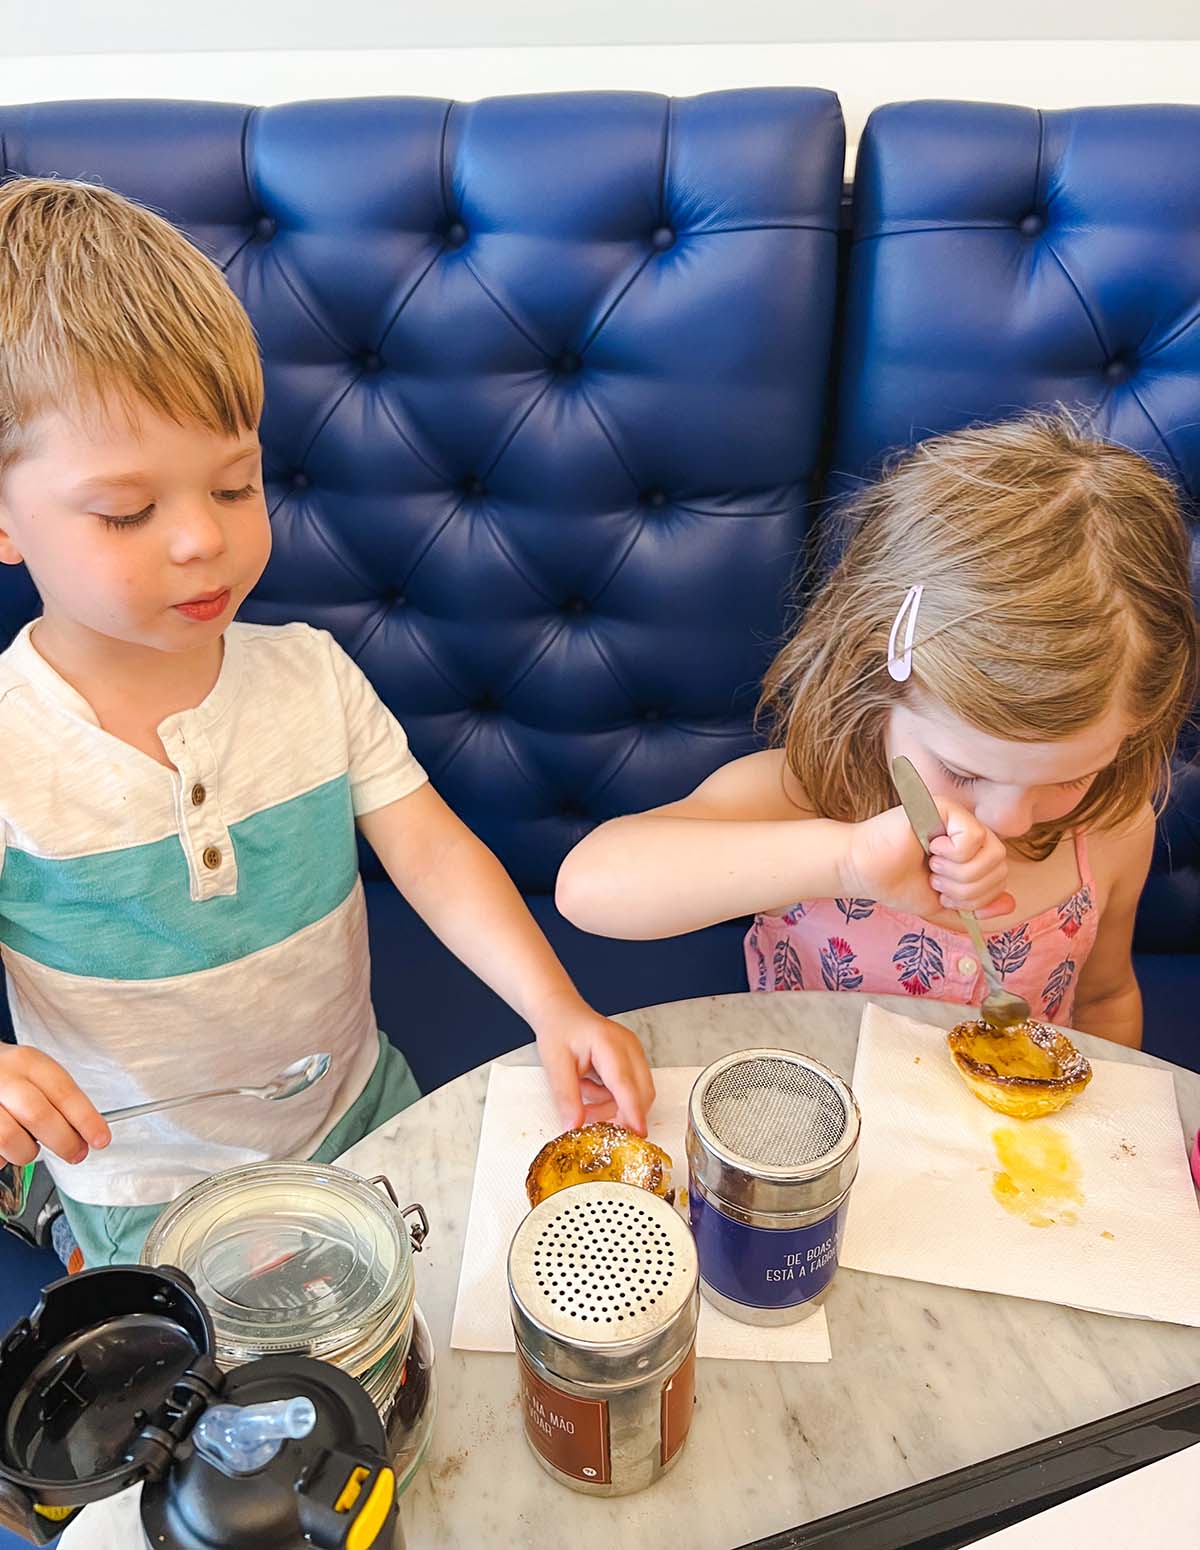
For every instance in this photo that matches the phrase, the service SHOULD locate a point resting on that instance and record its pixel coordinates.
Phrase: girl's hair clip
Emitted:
(899, 664)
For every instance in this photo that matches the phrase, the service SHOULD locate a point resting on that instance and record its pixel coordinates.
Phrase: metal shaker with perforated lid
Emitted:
(603, 1286)
(772, 1144)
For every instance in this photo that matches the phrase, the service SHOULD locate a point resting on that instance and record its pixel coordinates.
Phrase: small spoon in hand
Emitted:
(296, 1078)
(1000, 1008)
(293, 1079)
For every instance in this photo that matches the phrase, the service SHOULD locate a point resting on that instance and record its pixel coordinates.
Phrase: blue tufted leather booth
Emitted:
(553, 393)
(545, 380)
(1004, 258)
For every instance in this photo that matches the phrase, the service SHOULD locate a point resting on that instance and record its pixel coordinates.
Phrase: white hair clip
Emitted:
(899, 665)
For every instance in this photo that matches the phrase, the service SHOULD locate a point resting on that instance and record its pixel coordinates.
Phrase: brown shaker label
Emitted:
(678, 1402)
(570, 1433)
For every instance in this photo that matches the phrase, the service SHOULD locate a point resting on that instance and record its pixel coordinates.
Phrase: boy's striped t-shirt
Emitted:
(165, 930)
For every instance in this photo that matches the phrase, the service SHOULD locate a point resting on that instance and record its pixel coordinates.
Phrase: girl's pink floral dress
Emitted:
(857, 944)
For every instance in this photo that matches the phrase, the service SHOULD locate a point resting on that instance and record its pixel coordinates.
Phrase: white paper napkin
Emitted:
(518, 1119)
(923, 1205)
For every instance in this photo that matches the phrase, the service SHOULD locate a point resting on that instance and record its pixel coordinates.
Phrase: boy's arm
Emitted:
(469, 901)
(1108, 1002)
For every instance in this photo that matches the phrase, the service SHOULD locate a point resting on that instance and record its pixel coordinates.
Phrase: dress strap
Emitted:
(1081, 860)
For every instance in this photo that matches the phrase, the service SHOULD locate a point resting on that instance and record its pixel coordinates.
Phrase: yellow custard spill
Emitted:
(1040, 1176)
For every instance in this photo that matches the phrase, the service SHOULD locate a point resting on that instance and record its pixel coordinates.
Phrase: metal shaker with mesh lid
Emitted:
(772, 1146)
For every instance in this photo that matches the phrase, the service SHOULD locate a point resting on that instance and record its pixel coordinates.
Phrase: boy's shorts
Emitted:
(114, 1235)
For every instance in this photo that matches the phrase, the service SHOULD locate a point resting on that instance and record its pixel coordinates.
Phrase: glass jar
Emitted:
(311, 1259)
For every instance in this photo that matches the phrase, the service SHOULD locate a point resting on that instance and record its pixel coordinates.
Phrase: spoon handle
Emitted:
(136, 1110)
(984, 952)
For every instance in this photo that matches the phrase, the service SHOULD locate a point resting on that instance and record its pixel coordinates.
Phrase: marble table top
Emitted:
(924, 1379)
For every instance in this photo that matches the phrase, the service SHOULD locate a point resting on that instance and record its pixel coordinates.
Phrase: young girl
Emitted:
(1013, 614)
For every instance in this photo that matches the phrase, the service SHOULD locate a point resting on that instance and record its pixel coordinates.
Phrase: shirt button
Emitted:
(968, 966)
(212, 858)
(198, 794)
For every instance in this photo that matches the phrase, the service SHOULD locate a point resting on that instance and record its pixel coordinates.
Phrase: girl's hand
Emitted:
(41, 1106)
(596, 1068)
(968, 868)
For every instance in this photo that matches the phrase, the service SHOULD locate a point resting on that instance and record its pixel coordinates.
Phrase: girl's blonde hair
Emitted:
(101, 299)
(1055, 575)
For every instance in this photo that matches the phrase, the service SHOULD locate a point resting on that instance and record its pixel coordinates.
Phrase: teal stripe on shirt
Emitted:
(128, 914)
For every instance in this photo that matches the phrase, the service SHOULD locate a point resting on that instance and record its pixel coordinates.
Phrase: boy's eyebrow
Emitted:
(111, 482)
(136, 479)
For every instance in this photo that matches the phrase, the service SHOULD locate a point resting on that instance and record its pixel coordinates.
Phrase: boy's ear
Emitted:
(9, 553)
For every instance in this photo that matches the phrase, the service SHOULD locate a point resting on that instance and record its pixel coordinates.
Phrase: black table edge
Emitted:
(957, 1509)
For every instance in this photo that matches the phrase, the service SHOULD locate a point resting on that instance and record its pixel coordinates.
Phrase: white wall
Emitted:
(127, 26)
(863, 74)
(1045, 53)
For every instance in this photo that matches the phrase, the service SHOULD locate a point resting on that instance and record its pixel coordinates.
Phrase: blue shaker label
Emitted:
(765, 1267)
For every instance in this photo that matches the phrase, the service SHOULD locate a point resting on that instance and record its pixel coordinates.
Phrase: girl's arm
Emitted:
(740, 844)
(1108, 1002)
(468, 900)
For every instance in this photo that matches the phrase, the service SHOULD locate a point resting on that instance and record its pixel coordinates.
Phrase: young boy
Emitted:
(180, 904)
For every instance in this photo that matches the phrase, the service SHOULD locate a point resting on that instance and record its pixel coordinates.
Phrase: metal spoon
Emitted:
(296, 1078)
(293, 1079)
(1000, 1008)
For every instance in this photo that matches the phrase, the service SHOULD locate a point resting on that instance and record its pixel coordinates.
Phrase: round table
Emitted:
(924, 1379)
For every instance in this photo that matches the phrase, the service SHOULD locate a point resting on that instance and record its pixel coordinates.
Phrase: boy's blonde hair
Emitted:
(100, 301)
(1055, 569)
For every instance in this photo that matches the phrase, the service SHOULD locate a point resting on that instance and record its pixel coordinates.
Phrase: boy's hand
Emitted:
(597, 1069)
(41, 1106)
(968, 868)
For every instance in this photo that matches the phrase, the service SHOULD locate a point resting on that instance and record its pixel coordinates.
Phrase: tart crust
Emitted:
(595, 1154)
(1025, 1071)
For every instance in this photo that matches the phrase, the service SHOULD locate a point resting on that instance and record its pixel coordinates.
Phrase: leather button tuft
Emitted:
(1032, 225)
(456, 234)
(575, 605)
(198, 795)
(569, 363)
(371, 361)
(655, 498)
(662, 238)
(212, 858)
(265, 228)
(652, 715)
(473, 485)
(300, 480)
(1118, 371)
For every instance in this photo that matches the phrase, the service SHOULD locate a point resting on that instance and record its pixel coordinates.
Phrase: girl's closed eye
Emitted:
(230, 496)
(957, 778)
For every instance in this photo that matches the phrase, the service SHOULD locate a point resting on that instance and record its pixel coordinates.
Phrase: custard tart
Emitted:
(1024, 1071)
(599, 1153)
